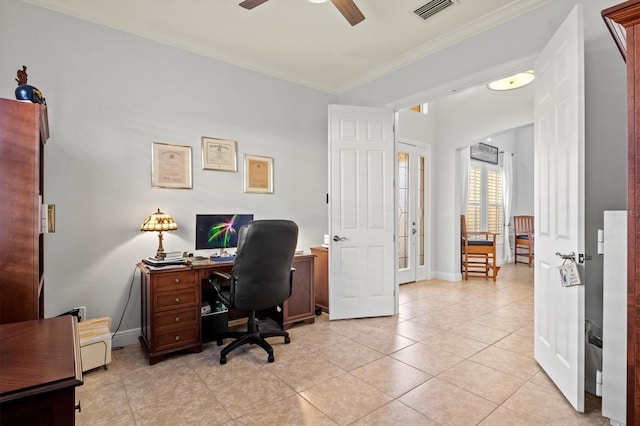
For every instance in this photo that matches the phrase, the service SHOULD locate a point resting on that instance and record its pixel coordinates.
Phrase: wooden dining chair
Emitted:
(523, 230)
(477, 252)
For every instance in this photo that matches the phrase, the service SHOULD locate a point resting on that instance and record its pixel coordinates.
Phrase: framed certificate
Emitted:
(219, 154)
(258, 174)
(170, 166)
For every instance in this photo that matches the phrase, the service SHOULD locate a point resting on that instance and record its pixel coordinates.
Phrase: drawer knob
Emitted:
(177, 280)
(177, 300)
(176, 338)
(177, 319)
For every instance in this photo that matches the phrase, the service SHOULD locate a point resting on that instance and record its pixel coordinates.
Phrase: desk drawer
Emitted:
(175, 281)
(175, 299)
(176, 338)
(178, 318)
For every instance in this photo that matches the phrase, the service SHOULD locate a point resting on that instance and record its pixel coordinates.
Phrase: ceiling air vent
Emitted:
(434, 6)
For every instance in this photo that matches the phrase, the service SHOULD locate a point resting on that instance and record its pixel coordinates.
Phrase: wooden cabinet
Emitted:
(623, 21)
(40, 364)
(23, 131)
(171, 301)
(321, 277)
(170, 312)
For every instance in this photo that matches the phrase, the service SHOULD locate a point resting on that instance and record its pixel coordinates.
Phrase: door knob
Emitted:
(338, 238)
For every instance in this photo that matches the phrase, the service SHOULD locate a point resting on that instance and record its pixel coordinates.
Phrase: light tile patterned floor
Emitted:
(457, 354)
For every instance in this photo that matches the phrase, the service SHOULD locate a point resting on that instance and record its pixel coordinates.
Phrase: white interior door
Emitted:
(361, 212)
(559, 206)
(412, 207)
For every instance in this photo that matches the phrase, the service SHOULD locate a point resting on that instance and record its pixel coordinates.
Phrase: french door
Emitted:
(412, 196)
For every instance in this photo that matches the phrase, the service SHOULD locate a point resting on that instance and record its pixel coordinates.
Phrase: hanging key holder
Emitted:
(569, 275)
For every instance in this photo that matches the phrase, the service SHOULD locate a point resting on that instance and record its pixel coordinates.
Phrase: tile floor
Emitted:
(457, 354)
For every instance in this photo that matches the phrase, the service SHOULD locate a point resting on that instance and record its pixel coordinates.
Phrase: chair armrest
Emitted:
(291, 281)
(227, 276)
(488, 235)
(485, 233)
(226, 297)
(213, 279)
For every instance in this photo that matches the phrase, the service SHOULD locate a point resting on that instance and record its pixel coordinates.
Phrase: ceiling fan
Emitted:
(347, 7)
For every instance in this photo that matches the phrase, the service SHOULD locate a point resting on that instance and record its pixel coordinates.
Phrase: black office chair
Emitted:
(261, 278)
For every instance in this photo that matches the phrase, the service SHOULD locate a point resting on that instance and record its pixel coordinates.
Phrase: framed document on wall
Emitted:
(219, 154)
(258, 174)
(170, 166)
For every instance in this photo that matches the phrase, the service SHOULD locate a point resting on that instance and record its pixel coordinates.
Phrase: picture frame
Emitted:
(258, 174)
(170, 166)
(219, 154)
(483, 152)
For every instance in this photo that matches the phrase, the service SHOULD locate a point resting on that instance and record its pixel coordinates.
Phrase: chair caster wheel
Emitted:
(287, 340)
(223, 360)
(271, 358)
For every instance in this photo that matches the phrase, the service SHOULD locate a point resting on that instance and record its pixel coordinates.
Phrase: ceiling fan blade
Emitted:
(250, 4)
(349, 10)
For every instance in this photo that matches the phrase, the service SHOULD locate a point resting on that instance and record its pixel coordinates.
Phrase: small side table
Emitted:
(321, 277)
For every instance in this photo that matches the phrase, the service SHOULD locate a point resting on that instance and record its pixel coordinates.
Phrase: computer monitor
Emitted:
(219, 231)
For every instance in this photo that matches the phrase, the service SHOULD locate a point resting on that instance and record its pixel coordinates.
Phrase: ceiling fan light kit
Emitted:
(347, 8)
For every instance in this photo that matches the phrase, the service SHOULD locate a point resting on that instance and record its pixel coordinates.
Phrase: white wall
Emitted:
(110, 95)
(472, 62)
(523, 167)
(464, 119)
(605, 158)
(480, 110)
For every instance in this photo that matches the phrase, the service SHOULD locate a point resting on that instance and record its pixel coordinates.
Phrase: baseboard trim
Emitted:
(447, 276)
(126, 338)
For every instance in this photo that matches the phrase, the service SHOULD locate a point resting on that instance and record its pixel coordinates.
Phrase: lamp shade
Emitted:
(159, 221)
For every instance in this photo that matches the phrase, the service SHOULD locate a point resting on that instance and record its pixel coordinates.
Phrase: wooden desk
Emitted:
(39, 369)
(171, 301)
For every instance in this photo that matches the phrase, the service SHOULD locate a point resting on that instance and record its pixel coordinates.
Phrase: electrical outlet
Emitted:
(82, 315)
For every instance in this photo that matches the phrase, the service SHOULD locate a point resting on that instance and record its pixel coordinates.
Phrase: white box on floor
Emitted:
(95, 343)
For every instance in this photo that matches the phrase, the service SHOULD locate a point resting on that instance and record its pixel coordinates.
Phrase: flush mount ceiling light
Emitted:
(512, 82)
(318, 1)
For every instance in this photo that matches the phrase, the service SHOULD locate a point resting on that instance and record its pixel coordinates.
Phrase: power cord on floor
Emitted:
(133, 276)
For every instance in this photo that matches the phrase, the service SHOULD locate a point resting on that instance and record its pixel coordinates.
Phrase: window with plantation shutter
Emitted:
(485, 209)
(494, 201)
(473, 217)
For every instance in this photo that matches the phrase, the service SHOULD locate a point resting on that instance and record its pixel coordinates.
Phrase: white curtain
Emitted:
(507, 196)
(465, 163)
